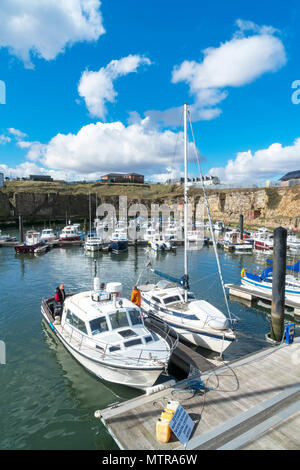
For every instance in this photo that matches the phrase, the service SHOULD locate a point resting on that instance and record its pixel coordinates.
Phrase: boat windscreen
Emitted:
(98, 325)
(172, 299)
(135, 316)
(119, 319)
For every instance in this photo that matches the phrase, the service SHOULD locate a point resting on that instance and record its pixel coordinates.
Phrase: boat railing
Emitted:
(164, 330)
(84, 341)
(103, 349)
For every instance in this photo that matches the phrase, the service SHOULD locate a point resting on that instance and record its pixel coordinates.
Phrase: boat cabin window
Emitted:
(76, 322)
(135, 316)
(155, 299)
(114, 348)
(172, 299)
(118, 319)
(98, 325)
(148, 339)
(133, 342)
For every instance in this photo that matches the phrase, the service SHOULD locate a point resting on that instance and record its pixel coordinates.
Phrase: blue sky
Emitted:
(94, 87)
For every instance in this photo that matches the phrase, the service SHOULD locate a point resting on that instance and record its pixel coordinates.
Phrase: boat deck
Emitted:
(252, 403)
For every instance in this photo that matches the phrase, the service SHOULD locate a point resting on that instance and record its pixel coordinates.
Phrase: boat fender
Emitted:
(243, 272)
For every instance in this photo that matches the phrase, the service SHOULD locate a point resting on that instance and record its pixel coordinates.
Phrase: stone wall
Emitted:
(269, 206)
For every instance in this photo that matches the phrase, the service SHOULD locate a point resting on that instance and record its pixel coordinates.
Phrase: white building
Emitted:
(207, 181)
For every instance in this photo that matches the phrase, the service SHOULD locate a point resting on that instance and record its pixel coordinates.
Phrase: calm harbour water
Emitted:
(47, 400)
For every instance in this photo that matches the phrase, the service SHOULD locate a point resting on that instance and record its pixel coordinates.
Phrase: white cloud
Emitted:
(173, 117)
(17, 133)
(169, 174)
(97, 88)
(261, 165)
(44, 28)
(4, 139)
(235, 63)
(105, 147)
(24, 170)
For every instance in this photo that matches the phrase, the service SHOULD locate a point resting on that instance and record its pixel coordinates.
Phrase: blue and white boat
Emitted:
(263, 283)
(119, 242)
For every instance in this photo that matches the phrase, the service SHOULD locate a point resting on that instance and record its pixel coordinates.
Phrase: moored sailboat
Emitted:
(196, 321)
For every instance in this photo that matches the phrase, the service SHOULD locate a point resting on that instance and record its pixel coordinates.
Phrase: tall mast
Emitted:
(90, 213)
(185, 202)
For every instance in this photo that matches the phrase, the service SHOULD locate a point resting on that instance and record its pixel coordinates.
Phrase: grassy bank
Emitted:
(144, 191)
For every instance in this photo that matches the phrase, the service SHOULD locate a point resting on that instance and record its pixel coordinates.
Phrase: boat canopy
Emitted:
(292, 267)
(183, 281)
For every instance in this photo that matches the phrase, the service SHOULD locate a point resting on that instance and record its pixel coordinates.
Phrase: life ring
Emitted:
(243, 272)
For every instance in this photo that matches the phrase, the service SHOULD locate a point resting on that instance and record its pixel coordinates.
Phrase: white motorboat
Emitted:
(93, 242)
(71, 233)
(233, 239)
(107, 335)
(160, 243)
(48, 235)
(171, 301)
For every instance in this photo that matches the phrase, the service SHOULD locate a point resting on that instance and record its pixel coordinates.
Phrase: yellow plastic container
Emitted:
(167, 414)
(163, 430)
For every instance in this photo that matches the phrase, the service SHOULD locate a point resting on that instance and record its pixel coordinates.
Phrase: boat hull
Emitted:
(70, 239)
(96, 247)
(27, 248)
(213, 340)
(119, 246)
(261, 245)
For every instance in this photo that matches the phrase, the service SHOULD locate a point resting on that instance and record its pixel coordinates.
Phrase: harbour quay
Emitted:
(252, 403)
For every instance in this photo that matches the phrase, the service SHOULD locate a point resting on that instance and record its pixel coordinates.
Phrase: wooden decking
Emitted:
(252, 403)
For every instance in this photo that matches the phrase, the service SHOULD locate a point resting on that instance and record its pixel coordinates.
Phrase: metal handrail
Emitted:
(107, 353)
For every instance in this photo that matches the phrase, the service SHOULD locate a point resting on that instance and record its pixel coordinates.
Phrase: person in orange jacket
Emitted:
(136, 296)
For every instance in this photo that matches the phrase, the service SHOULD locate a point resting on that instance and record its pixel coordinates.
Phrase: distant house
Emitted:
(40, 178)
(291, 178)
(1, 180)
(122, 178)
